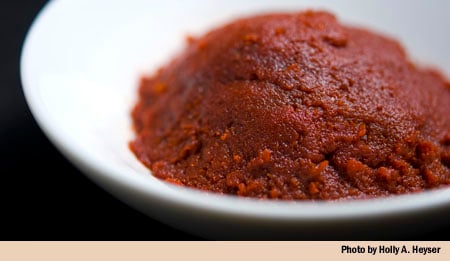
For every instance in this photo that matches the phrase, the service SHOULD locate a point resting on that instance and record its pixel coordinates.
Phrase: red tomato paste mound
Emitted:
(295, 106)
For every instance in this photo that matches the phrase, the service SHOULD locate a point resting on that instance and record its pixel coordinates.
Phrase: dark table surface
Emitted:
(43, 196)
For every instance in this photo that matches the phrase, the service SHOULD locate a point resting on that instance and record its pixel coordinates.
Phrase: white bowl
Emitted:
(80, 67)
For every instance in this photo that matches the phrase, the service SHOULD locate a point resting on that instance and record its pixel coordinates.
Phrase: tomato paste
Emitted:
(295, 106)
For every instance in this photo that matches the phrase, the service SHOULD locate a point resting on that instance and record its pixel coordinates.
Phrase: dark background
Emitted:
(42, 196)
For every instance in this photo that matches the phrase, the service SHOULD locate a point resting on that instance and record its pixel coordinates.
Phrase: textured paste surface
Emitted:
(295, 106)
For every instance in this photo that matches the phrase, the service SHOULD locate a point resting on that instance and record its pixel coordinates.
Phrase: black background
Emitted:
(42, 196)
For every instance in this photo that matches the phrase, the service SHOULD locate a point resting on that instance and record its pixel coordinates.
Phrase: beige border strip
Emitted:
(221, 251)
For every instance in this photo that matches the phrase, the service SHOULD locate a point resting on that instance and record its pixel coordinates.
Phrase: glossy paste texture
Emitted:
(295, 106)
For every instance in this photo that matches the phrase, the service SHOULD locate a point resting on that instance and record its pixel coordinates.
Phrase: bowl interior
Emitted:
(81, 65)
